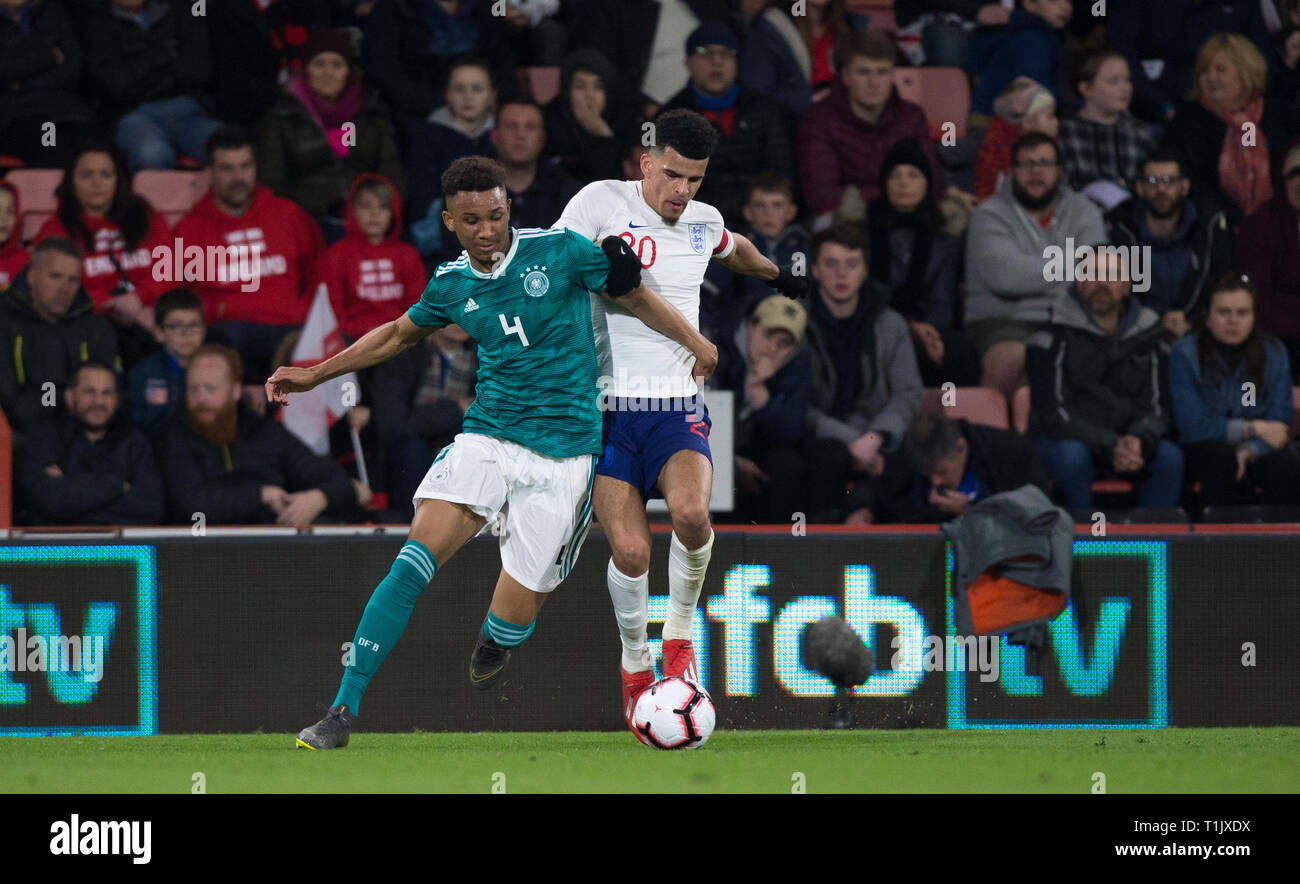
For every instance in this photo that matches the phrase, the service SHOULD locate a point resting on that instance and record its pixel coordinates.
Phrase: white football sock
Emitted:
(686, 569)
(631, 598)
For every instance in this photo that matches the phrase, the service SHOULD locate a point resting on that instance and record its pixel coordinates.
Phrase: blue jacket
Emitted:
(1028, 48)
(1216, 415)
(155, 386)
(781, 419)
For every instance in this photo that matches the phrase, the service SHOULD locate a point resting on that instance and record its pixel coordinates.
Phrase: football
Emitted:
(674, 714)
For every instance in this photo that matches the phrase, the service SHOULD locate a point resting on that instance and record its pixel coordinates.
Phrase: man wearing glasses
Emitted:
(752, 133)
(1008, 293)
(1189, 239)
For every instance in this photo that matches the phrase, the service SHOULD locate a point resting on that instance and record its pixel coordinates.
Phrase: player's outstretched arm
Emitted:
(747, 259)
(380, 343)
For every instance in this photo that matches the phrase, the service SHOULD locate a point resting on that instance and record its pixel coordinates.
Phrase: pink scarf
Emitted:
(1243, 171)
(330, 117)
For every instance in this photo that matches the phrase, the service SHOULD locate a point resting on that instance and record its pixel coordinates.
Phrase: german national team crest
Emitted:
(697, 238)
(536, 282)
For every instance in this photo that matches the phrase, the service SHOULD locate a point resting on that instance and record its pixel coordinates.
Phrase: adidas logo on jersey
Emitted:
(471, 305)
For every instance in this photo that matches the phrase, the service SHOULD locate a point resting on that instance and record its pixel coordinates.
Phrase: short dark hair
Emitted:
(470, 61)
(1165, 154)
(522, 102)
(848, 235)
(685, 131)
(228, 138)
(1029, 141)
(1085, 66)
(770, 182)
(930, 439)
(59, 244)
(173, 300)
(229, 354)
(95, 364)
(876, 45)
(472, 175)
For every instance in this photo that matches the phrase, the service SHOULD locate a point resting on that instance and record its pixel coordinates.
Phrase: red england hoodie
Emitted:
(370, 285)
(98, 274)
(13, 257)
(259, 267)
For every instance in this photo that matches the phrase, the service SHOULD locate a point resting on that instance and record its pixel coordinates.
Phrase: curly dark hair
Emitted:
(685, 131)
(127, 210)
(472, 175)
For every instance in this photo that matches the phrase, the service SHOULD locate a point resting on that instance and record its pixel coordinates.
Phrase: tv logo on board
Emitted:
(1120, 640)
(78, 648)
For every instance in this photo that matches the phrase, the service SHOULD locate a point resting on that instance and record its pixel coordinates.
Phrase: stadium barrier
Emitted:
(244, 630)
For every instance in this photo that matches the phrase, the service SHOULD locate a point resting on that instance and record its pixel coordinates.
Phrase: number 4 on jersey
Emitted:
(516, 329)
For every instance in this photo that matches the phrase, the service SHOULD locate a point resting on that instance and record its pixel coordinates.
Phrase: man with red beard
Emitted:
(233, 466)
(90, 467)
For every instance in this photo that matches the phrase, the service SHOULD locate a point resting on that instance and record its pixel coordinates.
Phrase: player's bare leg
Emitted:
(509, 623)
(621, 513)
(438, 530)
(686, 482)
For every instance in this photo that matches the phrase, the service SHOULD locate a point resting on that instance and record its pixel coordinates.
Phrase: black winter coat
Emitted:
(33, 83)
(225, 484)
(35, 351)
(129, 65)
(91, 490)
(411, 79)
(246, 57)
(294, 158)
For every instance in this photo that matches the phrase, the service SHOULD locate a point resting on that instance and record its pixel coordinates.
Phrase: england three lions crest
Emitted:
(696, 232)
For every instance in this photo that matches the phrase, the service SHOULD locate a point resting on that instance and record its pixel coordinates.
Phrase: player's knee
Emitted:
(691, 524)
(631, 557)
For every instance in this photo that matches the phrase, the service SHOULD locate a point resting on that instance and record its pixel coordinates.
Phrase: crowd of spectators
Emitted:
(1165, 129)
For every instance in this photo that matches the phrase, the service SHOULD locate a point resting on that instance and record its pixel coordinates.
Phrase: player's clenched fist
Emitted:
(288, 379)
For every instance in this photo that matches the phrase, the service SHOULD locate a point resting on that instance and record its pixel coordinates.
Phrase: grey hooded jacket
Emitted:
(1004, 254)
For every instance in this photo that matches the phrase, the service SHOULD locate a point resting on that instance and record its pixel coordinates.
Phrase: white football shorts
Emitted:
(539, 506)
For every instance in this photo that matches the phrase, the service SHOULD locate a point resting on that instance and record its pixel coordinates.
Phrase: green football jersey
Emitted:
(531, 319)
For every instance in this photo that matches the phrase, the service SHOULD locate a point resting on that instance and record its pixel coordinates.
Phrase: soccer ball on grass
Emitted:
(674, 714)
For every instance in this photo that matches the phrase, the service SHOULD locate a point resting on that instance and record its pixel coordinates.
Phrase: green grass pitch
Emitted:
(1176, 760)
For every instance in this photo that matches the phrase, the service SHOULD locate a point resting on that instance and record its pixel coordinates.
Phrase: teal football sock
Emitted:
(384, 620)
(506, 635)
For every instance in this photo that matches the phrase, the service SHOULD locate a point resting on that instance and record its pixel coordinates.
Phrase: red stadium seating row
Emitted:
(172, 193)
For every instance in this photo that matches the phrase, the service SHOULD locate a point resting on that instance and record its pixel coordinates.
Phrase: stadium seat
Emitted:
(1112, 486)
(943, 93)
(36, 193)
(540, 83)
(879, 13)
(9, 161)
(979, 405)
(1295, 412)
(171, 193)
(1020, 410)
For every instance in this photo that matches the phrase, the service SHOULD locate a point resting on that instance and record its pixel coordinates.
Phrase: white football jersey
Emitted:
(636, 360)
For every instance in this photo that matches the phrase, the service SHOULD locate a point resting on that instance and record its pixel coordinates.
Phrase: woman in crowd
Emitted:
(1233, 134)
(1231, 390)
(117, 232)
(910, 254)
(324, 132)
(585, 122)
(1103, 141)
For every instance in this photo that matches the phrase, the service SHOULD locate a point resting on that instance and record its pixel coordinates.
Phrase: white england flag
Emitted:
(310, 415)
